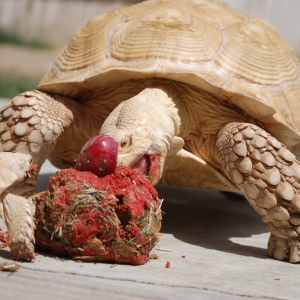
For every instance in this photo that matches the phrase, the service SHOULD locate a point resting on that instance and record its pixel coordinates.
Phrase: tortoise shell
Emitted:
(237, 58)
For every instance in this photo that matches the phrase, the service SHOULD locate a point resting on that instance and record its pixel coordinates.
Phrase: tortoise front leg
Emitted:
(16, 211)
(268, 174)
(30, 124)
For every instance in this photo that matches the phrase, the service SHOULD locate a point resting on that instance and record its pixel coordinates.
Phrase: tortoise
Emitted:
(197, 94)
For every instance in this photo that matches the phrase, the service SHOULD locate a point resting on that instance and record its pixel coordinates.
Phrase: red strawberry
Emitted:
(99, 155)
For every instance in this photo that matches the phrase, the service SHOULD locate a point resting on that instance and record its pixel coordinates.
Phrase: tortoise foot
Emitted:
(283, 249)
(20, 251)
(18, 217)
(268, 174)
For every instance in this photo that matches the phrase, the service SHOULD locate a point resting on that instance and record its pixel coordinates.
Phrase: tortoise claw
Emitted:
(19, 252)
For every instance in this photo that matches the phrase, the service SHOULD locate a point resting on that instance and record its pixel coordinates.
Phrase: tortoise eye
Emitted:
(125, 143)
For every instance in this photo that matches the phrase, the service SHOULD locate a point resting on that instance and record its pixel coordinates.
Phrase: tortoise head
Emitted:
(145, 127)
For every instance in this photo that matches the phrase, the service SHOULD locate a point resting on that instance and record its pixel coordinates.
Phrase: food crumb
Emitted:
(154, 256)
(183, 256)
(59, 259)
(3, 239)
(168, 264)
(9, 267)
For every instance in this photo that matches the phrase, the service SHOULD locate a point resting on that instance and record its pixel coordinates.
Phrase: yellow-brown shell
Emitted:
(200, 42)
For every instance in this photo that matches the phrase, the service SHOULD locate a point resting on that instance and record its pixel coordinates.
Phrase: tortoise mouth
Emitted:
(150, 166)
(143, 165)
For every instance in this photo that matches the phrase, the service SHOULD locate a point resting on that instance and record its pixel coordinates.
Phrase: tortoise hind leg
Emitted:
(268, 175)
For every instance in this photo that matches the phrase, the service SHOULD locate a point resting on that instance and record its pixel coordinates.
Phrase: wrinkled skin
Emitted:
(145, 138)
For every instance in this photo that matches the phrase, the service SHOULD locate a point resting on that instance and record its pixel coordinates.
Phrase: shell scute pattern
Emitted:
(218, 48)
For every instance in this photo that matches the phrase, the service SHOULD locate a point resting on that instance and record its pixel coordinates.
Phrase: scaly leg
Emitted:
(268, 174)
(29, 124)
(15, 169)
(18, 215)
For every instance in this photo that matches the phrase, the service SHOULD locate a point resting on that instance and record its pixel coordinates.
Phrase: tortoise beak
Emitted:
(151, 166)
(150, 162)
(156, 168)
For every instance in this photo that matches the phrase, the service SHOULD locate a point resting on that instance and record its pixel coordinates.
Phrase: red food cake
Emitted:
(114, 218)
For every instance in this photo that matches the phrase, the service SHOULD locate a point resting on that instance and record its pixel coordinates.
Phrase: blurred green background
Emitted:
(32, 33)
(7, 37)
(13, 84)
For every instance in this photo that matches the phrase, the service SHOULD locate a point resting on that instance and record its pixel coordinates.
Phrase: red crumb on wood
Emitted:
(115, 218)
(168, 264)
(3, 239)
(183, 256)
